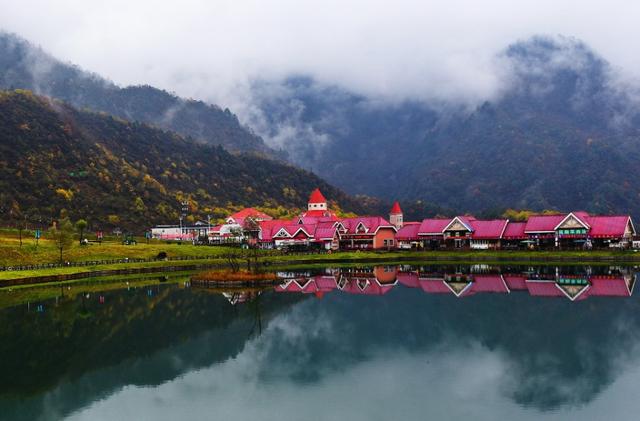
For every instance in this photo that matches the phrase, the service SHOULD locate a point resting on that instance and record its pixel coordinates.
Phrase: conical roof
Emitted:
(396, 208)
(317, 197)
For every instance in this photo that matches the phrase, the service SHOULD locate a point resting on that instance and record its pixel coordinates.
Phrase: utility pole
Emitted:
(184, 208)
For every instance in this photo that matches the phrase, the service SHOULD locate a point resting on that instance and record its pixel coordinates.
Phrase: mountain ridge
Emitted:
(127, 174)
(24, 66)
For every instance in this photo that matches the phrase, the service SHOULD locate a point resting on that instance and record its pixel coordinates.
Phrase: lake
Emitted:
(355, 343)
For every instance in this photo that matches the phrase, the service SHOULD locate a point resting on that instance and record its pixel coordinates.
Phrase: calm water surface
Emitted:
(402, 343)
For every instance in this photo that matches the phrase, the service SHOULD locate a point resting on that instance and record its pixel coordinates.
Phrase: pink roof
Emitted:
(250, 212)
(431, 226)
(270, 228)
(515, 231)
(488, 230)
(608, 226)
(325, 233)
(320, 214)
(324, 216)
(317, 197)
(543, 223)
(583, 216)
(395, 209)
(371, 223)
(408, 232)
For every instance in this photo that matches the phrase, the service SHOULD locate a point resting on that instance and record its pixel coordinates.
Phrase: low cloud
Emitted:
(433, 50)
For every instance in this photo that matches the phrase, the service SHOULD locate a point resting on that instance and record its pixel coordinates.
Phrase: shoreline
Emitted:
(49, 276)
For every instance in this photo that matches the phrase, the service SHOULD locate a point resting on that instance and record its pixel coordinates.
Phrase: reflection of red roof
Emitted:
(544, 289)
(489, 283)
(435, 286)
(366, 286)
(515, 231)
(431, 226)
(608, 226)
(516, 282)
(317, 197)
(396, 208)
(543, 223)
(609, 286)
(408, 279)
(488, 230)
(408, 232)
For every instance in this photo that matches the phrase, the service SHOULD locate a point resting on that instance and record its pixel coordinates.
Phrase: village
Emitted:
(320, 229)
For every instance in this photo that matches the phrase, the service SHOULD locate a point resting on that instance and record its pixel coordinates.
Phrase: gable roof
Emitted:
(408, 232)
(543, 223)
(580, 216)
(514, 231)
(433, 226)
(371, 223)
(251, 212)
(464, 220)
(609, 226)
(491, 229)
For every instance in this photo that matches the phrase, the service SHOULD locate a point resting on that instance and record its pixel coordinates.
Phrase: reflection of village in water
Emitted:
(570, 282)
(574, 283)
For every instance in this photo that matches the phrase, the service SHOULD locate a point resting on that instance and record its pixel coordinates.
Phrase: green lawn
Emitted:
(11, 254)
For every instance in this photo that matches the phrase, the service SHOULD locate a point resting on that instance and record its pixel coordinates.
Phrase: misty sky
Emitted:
(401, 49)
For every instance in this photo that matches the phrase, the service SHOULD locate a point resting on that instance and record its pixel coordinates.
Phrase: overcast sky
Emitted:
(210, 49)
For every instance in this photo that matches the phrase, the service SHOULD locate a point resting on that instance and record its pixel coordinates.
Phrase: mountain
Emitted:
(119, 173)
(23, 66)
(562, 134)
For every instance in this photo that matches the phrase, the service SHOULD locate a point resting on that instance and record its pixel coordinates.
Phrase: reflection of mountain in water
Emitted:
(83, 348)
(559, 352)
(574, 283)
(556, 352)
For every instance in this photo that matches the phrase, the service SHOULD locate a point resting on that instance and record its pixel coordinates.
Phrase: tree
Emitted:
(81, 225)
(62, 235)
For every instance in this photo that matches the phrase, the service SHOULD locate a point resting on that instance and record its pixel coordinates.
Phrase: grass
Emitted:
(11, 254)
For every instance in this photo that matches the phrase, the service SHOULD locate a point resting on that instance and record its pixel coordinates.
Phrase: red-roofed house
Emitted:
(579, 229)
(431, 231)
(407, 237)
(487, 234)
(608, 231)
(514, 235)
(240, 217)
(366, 232)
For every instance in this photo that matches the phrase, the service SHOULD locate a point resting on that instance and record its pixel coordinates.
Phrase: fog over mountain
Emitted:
(463, 105)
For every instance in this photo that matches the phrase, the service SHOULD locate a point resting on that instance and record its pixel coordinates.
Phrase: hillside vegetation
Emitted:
(24, 66)
(117, 173)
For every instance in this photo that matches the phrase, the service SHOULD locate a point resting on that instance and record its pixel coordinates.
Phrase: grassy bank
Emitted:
(45, 251)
